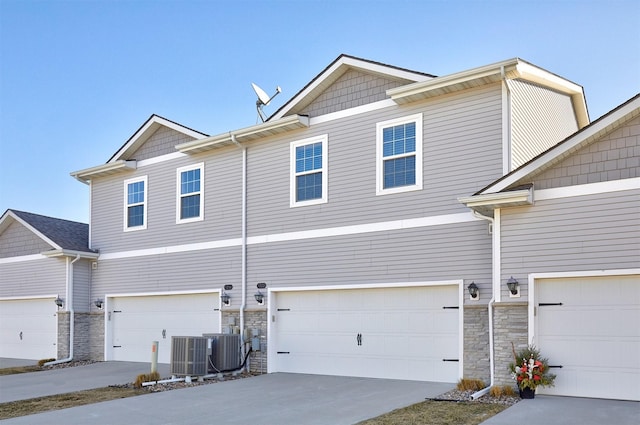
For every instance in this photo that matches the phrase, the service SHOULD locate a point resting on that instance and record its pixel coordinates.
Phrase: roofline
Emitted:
(85, 175)
(355, 62)
(604, 124)
(70, 253)
(515, 68)
(154, 119)
(265, 129)
(10, 213)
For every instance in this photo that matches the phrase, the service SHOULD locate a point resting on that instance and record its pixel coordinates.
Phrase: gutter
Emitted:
(243, 305)
(495, 235)
(71, 311)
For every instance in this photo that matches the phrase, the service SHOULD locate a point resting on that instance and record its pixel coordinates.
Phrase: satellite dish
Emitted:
(263, 99)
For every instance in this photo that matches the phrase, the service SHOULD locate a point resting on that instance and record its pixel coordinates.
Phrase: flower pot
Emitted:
(527, 393)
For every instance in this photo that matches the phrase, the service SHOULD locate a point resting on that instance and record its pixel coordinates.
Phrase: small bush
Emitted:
(470, 384)
(43, 361)
(502, 391)
(146, 377)
(495, 391)
(508, 391)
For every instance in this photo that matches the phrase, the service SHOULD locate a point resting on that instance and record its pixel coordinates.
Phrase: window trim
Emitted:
(179, 195)
(144, 203)
(324, 139)
(380, 190)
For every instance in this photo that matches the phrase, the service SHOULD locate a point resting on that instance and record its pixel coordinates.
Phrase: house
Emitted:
(338, 232)
(566, 226)
(44, 262)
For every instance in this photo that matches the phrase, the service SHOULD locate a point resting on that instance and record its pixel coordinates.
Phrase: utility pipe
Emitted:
(71, 311)
(495, 235)
(244, 235)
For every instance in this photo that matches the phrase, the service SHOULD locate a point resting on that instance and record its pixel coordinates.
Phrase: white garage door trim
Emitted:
(538, 278)
(109, 301)
(52, 353)
(272, 307)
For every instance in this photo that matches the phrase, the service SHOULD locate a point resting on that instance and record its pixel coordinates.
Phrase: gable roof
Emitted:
(335, 70)
(146, 130)
(62, 235)
(584, 137)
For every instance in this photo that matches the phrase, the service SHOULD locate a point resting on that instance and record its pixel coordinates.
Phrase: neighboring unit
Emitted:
(44, 262)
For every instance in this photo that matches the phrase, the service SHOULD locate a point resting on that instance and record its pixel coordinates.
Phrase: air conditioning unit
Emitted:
(189, 355)
(224, 352)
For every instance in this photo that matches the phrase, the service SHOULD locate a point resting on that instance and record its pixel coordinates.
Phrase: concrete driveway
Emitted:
(273, 399)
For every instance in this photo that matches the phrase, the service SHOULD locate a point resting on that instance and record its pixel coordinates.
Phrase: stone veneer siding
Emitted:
(88, 336)
(476, 343)
(253, 320)
(510, 323)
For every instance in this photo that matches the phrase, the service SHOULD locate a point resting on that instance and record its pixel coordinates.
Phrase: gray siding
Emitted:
(446, 252)
(540, 118)
(205, 269)
(616, 156)
(354, 88)
(17, 240)
(461, 154)
(222, 205)
(594, 232)
(30, 278)
(82, 285)
(161, 142)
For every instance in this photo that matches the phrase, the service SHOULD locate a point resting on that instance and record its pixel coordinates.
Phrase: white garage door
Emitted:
(138, 321)
(28, 329)
(397, 333)
(591, 327)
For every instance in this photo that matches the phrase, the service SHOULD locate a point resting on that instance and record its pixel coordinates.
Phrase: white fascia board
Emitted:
(29, 297)
(498, 200)
(70, 253)
(256, 131)
(631, 109)
(149, 128)
(367, 286)
(103, 170)
(33, 230)
(163, 293)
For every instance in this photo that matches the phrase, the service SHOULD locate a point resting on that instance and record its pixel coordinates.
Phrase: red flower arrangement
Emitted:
(530, 369)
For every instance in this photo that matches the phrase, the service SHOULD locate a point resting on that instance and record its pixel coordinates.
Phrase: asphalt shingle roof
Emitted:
(69, 235)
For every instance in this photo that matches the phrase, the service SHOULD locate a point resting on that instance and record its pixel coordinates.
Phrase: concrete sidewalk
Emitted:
(557, 410)
(59, 381)
(273, 399)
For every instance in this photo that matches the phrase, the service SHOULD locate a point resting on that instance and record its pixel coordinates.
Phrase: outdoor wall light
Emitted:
(514, 288)
(226, 299)
(259, 297)
(474, 292)
(99, 303)
(59, 302)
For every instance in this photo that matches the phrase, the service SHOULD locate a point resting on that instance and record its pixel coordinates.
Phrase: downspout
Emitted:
(71, 311)
(243, 305)
(494, 234)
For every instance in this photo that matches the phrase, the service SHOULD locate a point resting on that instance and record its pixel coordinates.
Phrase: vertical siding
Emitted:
(30, 278)
(540, 118)
(161, 142)
(616, 156)
(82, 286)
(222, 205)
(17, 240)
(461, 154)
(595, 232)
(354, 88)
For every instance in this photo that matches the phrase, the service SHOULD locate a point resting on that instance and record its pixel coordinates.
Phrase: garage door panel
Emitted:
(28, 328)
(594, 335)
(404, 332)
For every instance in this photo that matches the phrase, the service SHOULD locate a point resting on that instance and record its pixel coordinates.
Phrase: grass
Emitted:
(438, 413)
(32, 406)
(20, 369)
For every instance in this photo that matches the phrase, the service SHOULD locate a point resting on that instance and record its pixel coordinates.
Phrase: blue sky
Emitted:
(78, 78)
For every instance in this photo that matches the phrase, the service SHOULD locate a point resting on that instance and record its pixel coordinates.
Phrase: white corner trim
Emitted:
(588, 189)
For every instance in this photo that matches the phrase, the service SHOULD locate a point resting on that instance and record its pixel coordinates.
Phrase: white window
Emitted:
(190, 193)
(135, 203)
(308, 182)
(399, 155)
